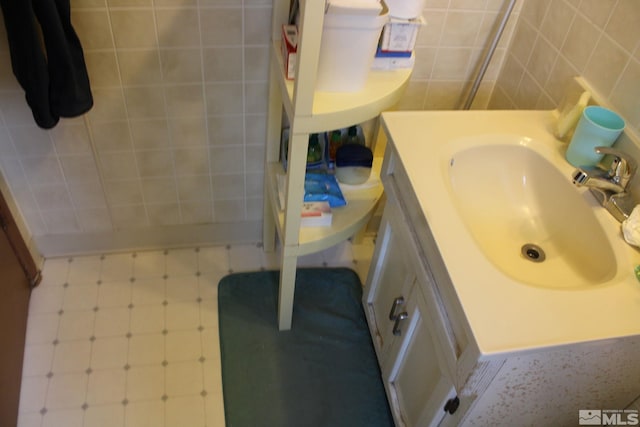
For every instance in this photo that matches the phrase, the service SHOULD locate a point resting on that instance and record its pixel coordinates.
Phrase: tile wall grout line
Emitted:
(99, 168)
(207, 135)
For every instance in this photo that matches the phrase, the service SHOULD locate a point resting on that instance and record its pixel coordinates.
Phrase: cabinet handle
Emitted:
(394, 307)
(396, 326)
(452, 405)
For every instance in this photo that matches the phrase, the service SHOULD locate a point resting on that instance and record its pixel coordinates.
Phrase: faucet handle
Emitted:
(623, 166)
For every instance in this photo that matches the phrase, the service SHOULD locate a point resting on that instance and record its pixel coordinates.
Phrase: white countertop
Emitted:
(503, 315)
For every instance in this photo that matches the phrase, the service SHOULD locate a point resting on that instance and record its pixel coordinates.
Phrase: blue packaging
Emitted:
(320, 187)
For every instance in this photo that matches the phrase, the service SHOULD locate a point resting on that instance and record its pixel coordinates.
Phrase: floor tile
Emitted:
(149, 264)
(116, 268)
(181, 262)
(209, 313)
(148, 413)
(131, 339)
(37, 359)
(147, 291)
(145, 382)
(55, 271)
(208, 284)
(147, 318)
(112, 322)
(71, 356)
(183, 378)
(106, 386)
(109, 352)
(104, 415)
(48, 299)
(212, 376)
(214, 409)
(213, 259)
(244, 257)
(185, 411)
(33, 393)
(63, 418)
(146, 349)
(181, 288)
(114, 294)
(42, 328)
(76, 325)
(66, 391)
(80, 297)
(84, 270)
(182, 315)
(183, 345)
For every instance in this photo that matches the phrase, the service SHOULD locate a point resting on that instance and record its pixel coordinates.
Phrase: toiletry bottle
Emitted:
(352, 136)
(314, 152)
(335, 141)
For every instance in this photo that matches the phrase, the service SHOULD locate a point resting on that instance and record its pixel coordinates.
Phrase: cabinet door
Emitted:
(416, 380)
(388, 283)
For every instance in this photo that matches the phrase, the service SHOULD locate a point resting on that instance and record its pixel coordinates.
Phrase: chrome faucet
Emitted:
(609, 186)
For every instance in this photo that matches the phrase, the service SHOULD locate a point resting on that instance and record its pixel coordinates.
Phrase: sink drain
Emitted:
(533, 253)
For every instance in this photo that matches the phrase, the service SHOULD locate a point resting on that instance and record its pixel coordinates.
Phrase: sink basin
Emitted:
(526, 216)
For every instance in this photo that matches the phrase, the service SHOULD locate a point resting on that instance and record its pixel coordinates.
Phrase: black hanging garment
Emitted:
(56, 84)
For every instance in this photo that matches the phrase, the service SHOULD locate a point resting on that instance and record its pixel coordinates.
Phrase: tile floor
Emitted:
(131, 339)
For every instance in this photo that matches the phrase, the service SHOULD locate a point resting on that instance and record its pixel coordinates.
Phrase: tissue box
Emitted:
(289, 50)
(399, 35)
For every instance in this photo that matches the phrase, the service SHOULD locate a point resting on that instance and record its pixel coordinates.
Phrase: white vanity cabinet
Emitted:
(414, 373)
(434, 363)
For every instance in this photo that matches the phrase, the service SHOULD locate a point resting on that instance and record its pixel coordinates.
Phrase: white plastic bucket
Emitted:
(347, 50)
(405, 9)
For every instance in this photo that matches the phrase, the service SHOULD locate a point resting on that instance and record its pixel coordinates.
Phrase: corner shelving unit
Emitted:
(309, 112)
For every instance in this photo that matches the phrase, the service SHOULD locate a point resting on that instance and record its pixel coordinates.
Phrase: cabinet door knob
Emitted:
(394, 307)
(396, 326)
(452, 405)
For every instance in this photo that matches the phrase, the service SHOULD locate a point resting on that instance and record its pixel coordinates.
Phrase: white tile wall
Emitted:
(131, 339)
(180, 91)
(448, 50)
(558, 39)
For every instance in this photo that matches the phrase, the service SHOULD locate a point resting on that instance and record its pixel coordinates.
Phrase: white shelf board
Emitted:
(335, 110)
(346, 221)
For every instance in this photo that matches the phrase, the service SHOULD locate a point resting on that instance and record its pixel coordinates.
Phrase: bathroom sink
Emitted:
(532, 260)
(525, 215)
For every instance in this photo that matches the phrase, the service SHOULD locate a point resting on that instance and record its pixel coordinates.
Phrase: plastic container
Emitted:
(597, 127)
(353, 164)
(349, 41)
(405, 9)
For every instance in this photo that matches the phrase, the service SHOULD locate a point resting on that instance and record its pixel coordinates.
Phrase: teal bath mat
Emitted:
(323, 372)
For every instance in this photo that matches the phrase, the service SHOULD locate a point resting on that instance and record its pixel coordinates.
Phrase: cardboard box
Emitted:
(289, 50)
(392, 63)
(399, 35)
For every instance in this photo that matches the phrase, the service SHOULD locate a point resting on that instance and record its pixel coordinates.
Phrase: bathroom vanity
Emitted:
(468, 329)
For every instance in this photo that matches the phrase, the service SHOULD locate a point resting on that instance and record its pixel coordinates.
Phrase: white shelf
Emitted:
(310, 111)
(346, 220)
(336, 110)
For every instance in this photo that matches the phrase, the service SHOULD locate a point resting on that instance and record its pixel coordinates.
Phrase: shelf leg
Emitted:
(287, 288)
(268, 224)
(358, 236)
